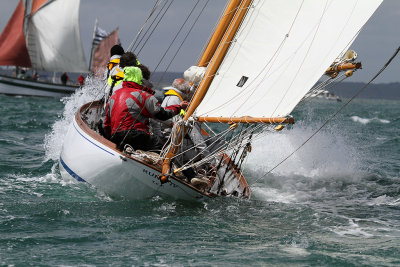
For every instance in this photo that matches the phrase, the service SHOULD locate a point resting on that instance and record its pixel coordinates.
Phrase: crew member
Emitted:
(64, 78)
(177, 93)
(81, 80)
(114, 82)
(173, 96)
(129, 110)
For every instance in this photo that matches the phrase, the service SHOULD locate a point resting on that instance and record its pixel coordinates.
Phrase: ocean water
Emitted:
(336, 202)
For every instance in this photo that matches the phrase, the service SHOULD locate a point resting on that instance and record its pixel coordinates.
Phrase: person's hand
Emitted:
(184, 104)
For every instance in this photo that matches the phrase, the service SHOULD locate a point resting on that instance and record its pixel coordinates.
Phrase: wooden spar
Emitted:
(217, 58)
(344, 66)
(205, 83)
(219, 33)
(246, 120)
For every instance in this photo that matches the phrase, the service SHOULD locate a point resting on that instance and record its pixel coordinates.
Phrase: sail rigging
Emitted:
(219, 32)
(271, 55)
(279, 53)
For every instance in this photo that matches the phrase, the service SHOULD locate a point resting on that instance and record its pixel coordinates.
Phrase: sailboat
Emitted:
(260, 61)
(43, 35)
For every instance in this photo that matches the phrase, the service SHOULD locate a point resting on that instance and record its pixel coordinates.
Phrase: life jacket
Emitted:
(114, 80)
(113, 69)
(113, 62)
(173, 92)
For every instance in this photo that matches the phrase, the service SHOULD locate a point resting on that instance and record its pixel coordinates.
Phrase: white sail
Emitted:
(280, 51)
(53, 38)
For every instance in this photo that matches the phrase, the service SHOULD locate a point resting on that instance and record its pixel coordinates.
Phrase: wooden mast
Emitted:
(220, 49)
(218, 57)
(219, 33)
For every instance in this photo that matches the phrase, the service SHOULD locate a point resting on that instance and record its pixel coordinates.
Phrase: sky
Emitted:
(375, 44)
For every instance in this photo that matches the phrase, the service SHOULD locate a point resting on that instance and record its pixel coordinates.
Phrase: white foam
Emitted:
(296, 251)
(353, 230)
(274, 195)
(366, 121)
(92, 90)
(384, 200)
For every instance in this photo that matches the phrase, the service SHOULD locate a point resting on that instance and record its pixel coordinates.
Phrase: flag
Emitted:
(101, 54)
(99, 35)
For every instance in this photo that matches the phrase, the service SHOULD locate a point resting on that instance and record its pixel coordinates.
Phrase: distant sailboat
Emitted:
(262, 59)
(42, 35)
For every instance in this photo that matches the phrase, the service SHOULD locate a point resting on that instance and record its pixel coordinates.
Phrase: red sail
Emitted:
(13, 51)
(101, 55)
(36, 4)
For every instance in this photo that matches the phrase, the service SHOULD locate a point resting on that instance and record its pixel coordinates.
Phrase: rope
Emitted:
(304, 58)
(180, 46)
(144, 24)
(270, 62)
(233, 143)
(334, 115)
(150, 26)
(327, 84)
(155, 27)
(176, 36)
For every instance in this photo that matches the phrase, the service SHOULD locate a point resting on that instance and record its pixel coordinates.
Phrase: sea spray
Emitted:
(325, 162)
(327, 153)
(92, 90)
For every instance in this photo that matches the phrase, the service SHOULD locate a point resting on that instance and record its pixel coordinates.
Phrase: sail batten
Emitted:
(280, 51)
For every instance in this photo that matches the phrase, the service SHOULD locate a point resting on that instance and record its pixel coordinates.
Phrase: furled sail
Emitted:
(280, 51)
(53, 37)
(13, 50)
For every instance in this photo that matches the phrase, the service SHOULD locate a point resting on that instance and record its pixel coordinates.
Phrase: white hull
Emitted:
(86, 156)
(86, 159)
(15, 86)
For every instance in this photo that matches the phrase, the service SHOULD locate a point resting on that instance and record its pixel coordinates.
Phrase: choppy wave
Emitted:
(336, 201)
(366, 120)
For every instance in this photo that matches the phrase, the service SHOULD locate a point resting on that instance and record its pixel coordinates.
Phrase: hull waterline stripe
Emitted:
(74, 175)
(91, 141)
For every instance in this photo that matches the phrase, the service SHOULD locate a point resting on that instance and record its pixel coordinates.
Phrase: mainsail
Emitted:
(270, 56)
(53, 37)
(280, 51)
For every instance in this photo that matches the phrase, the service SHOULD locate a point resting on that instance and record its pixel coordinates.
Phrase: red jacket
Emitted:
(130, 108)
